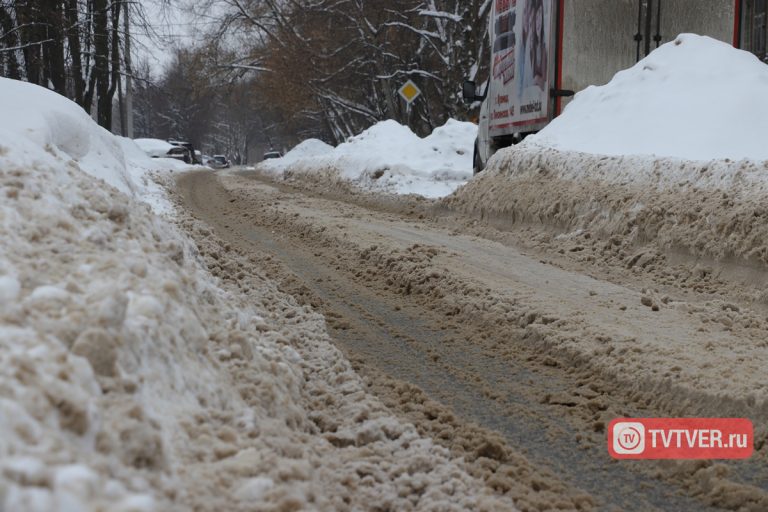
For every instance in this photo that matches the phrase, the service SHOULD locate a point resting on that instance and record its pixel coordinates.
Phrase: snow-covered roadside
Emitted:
(132, 380)
(147, 174)
(671, 151)
(35, 118)
(388, 157)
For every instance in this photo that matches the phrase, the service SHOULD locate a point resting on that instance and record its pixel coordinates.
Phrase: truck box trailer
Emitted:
(542, 51)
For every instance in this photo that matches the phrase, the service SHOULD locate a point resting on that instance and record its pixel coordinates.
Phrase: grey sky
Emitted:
(173, 25)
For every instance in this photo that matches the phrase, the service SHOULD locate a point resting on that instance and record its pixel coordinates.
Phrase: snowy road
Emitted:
(511, 358)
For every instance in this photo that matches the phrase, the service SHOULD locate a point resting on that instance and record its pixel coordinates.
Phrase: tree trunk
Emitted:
(53, 48)
(128, 73)
(115, 77)
(101, 64)
(73, 38)
(27, 14)
(10, 40)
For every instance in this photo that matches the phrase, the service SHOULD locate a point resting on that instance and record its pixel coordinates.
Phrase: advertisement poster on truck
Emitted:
(520, 81)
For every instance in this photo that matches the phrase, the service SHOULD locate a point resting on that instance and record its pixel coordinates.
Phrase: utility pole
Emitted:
(128, 73)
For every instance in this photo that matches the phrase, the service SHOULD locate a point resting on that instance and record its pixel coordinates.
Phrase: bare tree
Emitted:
(333, 67)
(74, 47)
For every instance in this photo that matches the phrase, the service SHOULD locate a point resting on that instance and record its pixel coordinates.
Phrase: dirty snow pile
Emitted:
(672, 149)
(32, 119)
(389, 157)
(131, 380)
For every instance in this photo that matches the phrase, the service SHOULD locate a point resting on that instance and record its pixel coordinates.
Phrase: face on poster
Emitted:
(521, 53)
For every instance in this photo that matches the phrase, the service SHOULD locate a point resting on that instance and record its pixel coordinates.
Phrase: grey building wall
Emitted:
(713, 18)
(598, 38)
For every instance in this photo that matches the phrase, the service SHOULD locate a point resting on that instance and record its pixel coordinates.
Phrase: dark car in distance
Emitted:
(191, 155)
(219, 162)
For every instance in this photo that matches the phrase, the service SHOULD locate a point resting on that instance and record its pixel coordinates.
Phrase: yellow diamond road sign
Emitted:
(409, 91)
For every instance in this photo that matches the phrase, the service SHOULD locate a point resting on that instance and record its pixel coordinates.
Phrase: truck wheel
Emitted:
(477, 162)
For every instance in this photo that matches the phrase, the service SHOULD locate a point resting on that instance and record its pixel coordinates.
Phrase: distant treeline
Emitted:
(265, 72)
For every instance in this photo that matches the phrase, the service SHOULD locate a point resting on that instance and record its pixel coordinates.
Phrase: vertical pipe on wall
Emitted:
(737, 9)
(648, 25)
(559, 60)
(639, 34)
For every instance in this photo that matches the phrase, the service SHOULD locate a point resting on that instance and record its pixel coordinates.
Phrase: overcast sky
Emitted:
(173, 25)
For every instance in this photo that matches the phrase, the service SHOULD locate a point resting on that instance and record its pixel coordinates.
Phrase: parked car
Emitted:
(193, 154)
(179, 153)
(272, 154)
(157, 148)
(219, 162)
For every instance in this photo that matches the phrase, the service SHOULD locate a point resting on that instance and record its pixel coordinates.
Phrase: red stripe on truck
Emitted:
(559, 73)
(520, 123)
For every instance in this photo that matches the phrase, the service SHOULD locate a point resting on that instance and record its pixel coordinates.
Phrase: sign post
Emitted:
(409, 92)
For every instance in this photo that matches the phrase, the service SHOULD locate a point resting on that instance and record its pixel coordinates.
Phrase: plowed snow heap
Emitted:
(387, 157)
(670, 151)
(131, 380)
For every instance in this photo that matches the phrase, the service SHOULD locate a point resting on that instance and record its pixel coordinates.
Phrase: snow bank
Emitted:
(131, 380)
(311, 148)
(157, 151)
(144, 172)
(694, 99)
(390, 157)
(35, 118)
(670, 152)
(155, 148)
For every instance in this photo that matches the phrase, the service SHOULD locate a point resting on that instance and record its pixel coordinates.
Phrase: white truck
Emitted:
(541, 51)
